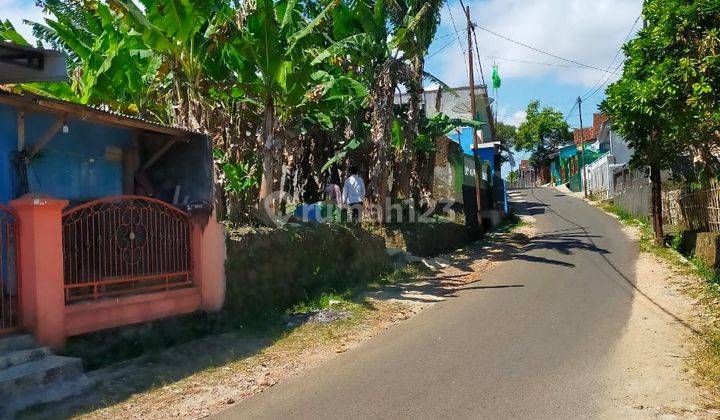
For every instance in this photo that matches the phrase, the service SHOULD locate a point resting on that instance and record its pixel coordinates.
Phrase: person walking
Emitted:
(332, 190)
(354, 194)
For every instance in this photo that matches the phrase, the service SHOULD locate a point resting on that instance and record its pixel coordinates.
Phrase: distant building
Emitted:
(613, 161)
(526, 175)
(456, 104)
(22, 64)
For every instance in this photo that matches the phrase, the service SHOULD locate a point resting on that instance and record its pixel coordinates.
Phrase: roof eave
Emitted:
(87, 113)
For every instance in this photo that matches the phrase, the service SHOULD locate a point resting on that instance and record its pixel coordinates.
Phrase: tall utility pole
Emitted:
(582, 148)
(473, 111)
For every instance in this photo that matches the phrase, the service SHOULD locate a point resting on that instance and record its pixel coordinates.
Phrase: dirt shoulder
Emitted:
(209, 375)
(660, 351)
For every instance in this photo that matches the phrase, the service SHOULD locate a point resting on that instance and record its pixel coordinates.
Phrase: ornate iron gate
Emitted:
(124, 245)
(9, 291)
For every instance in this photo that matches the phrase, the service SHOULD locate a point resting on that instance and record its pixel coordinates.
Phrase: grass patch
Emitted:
(324, 301)
(622, 214)
(510, 224)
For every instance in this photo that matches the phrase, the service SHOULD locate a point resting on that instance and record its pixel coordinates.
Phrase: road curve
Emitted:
(537, 351)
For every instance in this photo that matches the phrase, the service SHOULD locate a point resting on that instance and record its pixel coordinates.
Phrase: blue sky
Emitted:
(589, 32)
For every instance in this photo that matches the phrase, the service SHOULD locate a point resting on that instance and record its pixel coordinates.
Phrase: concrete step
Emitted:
(19, 380)
(14, 342)
(32, 375)
(19, 357)
(51, 392)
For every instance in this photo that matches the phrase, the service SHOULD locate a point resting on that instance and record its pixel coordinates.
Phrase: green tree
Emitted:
(290, 83)
(667, 102)
(393, 33)
(505, 133)
(513, 177)
(417, 22)
(275, 68)
(543, 131)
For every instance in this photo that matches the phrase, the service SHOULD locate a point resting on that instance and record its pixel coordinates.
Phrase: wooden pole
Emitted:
(473, 111)
(583, 179)
(21, 131)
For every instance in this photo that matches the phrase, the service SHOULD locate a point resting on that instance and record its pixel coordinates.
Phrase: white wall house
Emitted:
(600, 174)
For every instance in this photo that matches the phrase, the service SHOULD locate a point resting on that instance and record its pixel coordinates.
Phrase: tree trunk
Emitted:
(266, 183)
(656, 182)
(381, 125)
(415, 114)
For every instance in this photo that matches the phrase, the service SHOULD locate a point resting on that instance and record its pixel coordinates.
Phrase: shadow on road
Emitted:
(582, 231)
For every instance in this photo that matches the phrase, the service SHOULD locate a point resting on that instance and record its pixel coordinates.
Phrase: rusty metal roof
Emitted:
(102, 114)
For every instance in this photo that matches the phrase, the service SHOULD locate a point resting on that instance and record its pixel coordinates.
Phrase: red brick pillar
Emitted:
(208, 257)
(42, 286)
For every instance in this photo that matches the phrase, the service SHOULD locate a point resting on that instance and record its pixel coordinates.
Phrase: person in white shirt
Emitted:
(354, 193)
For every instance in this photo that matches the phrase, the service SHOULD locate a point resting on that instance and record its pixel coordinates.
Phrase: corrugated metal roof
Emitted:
(84, 111)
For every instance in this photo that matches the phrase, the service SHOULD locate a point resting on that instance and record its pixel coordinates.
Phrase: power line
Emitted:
(570, 113)
(602, 84)
(452, 19)
(600, 80)
(513, 116)
(535, 62)
(446, 35)
(542, 51)
(440, 49)
(477, 53)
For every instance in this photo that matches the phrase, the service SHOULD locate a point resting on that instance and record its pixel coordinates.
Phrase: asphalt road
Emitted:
(537, 351)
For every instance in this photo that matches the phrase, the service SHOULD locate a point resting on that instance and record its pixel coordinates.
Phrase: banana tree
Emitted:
(8, 33)
(276, 72)
(186, 37)
(418, 22)
(386, 63)
(107, 65)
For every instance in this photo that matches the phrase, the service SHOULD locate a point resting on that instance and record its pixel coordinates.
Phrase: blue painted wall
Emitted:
(465, 139)
(487, 154)
(78, 165)
(8, 144)
(568, 151)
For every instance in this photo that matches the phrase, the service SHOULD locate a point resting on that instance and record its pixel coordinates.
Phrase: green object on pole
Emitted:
(496, 78)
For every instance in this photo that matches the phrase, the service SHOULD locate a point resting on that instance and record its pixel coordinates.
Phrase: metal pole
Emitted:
(582, 148)
(473, 111)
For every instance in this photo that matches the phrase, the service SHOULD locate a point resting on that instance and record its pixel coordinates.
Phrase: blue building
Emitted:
(78, 153)
(489, 155)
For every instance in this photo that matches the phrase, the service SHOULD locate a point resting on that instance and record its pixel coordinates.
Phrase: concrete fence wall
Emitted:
(43, 309)
(636, 200)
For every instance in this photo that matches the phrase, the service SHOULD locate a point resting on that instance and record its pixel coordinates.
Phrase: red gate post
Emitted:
(208, 257)
(42, 286)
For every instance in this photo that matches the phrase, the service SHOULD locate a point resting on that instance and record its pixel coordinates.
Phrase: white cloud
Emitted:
(18, 10)
(589, 32)
(515, 119)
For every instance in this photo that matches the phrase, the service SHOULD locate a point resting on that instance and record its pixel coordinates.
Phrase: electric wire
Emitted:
(600, 81)
(522, 44)
(452, 19)
(536, 62)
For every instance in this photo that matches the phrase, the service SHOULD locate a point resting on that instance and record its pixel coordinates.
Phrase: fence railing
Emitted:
(124, 245)
(694, 210)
